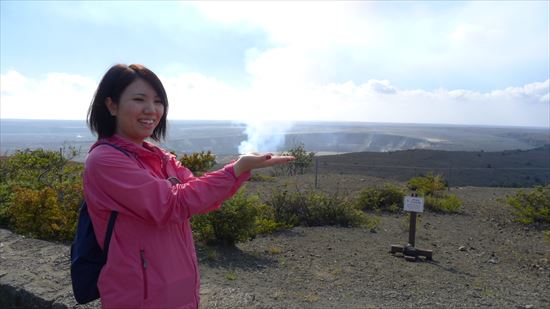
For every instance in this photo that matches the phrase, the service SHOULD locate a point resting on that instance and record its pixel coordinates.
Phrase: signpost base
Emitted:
(410, 253)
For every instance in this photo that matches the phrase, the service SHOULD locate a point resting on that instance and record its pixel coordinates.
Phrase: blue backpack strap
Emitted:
(114, 214)
(87, 258)
(107, 239)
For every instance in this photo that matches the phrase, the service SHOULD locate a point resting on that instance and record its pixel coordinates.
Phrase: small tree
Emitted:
(303, 162)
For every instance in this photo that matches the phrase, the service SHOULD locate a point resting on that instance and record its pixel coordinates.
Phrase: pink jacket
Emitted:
(152, 261)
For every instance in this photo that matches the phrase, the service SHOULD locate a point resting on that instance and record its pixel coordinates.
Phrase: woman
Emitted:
(152, 261)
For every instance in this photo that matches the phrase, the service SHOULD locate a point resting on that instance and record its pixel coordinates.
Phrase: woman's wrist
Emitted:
(238, 169)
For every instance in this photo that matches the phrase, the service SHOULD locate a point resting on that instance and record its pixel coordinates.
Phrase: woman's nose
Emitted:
(149, 107)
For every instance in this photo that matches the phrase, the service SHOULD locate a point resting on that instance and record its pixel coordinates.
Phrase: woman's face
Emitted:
(138, 112)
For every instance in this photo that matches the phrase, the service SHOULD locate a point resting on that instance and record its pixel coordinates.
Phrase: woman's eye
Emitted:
(138, 99)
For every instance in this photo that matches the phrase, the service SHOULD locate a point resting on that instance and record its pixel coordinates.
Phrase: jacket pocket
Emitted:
(144, 270)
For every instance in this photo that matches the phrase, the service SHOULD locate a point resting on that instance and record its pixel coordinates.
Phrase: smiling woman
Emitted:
(138, 111)
(128, 96)
(151, 256)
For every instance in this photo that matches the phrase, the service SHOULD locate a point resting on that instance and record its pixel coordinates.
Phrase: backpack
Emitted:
(87, 258)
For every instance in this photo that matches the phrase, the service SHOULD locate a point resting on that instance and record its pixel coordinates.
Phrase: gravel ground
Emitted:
(481, 258)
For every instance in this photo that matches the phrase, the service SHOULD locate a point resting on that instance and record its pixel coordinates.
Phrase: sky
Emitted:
(456, 62)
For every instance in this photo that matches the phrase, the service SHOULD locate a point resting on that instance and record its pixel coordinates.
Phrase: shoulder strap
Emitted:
(117, 148)
(107, 239)
(114, 214)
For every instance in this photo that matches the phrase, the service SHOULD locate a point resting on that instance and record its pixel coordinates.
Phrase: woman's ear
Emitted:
(111, 106)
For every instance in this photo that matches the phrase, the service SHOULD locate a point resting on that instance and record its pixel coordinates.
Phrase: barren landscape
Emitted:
(481, 259)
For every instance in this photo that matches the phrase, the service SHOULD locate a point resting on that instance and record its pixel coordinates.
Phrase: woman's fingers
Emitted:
(252, 161)
(274, 160)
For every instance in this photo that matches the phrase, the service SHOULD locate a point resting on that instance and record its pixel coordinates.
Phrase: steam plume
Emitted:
(264, 136)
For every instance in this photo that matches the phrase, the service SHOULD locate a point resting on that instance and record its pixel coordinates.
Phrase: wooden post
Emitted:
(412, 228)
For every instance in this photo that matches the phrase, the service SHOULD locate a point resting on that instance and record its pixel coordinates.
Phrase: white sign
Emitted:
(414, 204)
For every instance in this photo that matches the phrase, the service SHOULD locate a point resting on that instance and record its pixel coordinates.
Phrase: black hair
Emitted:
(113, 83)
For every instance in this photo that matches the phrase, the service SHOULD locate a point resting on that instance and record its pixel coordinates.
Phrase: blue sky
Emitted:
(453, 62)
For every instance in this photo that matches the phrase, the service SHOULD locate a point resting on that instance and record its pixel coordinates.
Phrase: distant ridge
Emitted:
(510, 168)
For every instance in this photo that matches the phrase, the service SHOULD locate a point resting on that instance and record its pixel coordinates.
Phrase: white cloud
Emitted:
(56, 96)
(195, 96)
(308, 24)
(316, 41)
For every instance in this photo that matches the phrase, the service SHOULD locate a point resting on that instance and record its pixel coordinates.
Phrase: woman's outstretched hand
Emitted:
(252, 161)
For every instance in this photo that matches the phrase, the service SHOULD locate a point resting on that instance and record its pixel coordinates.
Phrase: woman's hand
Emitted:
(252, 161)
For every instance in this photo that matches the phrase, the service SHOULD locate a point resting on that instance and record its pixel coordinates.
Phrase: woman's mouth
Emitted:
(147, 122)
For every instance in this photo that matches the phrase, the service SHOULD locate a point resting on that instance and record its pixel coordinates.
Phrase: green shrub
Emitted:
(38, 168)
(314, 208)
(240, 218)
(428, 184)
(288, 208)
(445, 203)
(389, 198)
(198, 162)
(40, 193)
(532, 207)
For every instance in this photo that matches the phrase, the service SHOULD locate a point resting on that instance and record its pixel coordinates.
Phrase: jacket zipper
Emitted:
(144, 268)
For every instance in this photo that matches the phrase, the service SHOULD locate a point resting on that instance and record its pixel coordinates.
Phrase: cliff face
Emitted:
(35, 274)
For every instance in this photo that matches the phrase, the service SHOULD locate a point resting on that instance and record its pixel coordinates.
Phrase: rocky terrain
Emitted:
(481, 259)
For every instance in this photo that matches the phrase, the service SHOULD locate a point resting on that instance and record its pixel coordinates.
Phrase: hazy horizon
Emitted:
(230, 137)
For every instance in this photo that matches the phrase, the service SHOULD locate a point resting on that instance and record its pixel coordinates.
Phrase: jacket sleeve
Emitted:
(189, 181)
(113, 181)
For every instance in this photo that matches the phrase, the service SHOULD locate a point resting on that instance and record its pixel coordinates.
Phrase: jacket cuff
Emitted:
(231, 170)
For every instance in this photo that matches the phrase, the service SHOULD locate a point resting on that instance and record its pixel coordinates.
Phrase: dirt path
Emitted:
(481, 259)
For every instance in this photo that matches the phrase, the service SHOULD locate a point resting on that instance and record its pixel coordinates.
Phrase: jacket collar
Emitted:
(146, 150)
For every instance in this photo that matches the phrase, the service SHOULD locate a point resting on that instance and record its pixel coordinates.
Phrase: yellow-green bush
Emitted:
(532, 207)
(265, 220)
(43, 213)
(240, 218)
(432, 188)
(428, 184)
(389, 198)
(444, 203)
(198, 162)
(40, 193)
